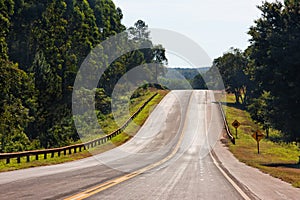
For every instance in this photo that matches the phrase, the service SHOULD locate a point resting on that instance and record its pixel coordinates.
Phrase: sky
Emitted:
(215, 25)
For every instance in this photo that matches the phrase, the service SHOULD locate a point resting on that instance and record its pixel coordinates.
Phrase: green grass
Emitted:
(128, 133)
(278, 159)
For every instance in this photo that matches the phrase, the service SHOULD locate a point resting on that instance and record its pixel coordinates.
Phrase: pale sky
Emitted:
(216, 25)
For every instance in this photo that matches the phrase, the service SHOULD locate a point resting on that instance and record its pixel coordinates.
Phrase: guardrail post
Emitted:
(58, 153)
(232, 138)
(65, 152)
(52, 154)
(70, 151)
(45, 156)
(36, 156)
(28, 158)
(7, 160)
(18, 159)
(80, 149)
(74, 149)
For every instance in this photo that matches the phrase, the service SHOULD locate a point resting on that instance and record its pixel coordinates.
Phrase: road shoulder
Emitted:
(251, 180)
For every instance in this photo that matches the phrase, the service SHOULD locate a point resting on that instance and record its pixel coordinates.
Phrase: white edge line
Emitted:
(238, 189)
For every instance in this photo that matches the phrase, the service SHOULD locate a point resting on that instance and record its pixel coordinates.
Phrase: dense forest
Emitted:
(42, 45)
(265, 77)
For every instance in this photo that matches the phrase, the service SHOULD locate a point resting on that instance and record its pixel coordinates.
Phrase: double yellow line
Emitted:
(113, 182)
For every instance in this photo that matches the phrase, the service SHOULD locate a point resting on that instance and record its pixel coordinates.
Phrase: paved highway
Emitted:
(169, 158)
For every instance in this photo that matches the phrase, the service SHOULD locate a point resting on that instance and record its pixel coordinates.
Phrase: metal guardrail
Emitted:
(231, 137)
(68, 149)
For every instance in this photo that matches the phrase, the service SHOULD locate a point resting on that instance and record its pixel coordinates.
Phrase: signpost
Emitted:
(258, 135)
(236, 124)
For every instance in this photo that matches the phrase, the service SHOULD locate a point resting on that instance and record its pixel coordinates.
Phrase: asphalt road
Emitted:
(169, 158)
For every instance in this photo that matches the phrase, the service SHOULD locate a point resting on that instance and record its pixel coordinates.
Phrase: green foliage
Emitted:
(259, 109)
(49, 40)
(198, 82)
(184, 78)
(17, 104)
(232, 66)
(275, 57)
(22, 48)
(6, 10)
(149, 58)
(108, 18)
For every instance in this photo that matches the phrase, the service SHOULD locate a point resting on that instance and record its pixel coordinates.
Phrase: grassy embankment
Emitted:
(107, 126)
(276, 158)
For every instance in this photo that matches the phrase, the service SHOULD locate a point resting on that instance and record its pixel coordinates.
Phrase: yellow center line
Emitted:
(113, 182)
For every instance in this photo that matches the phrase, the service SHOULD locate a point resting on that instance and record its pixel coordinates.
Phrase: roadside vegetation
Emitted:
(42, 46)
(108, 126)
(263, 83)
(264, 78)
(277, 157)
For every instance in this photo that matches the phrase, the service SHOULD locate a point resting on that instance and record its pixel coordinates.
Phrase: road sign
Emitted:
(258, 135)
(236, 124)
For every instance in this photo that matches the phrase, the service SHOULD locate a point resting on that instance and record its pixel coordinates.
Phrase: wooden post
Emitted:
(257, 142)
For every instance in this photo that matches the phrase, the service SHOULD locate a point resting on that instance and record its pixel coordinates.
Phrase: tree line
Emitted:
(42, 45)
(265, 77)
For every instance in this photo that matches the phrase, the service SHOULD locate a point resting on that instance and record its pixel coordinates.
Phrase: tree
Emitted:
(47, 41)
(139, 31)
(275, 53)
(232, 66)
(5, 14)
(108, 17)
(17, 105)
(198, 82)
(259, 109)
(22, 47)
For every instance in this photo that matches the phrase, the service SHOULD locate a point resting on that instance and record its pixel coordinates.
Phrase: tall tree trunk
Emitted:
(237, 97)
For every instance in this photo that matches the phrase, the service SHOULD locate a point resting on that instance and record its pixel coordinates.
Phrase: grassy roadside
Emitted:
(276, 158)
(129, 132)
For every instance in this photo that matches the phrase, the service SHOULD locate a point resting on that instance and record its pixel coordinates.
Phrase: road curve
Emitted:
(169, 158)
(191, 173)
